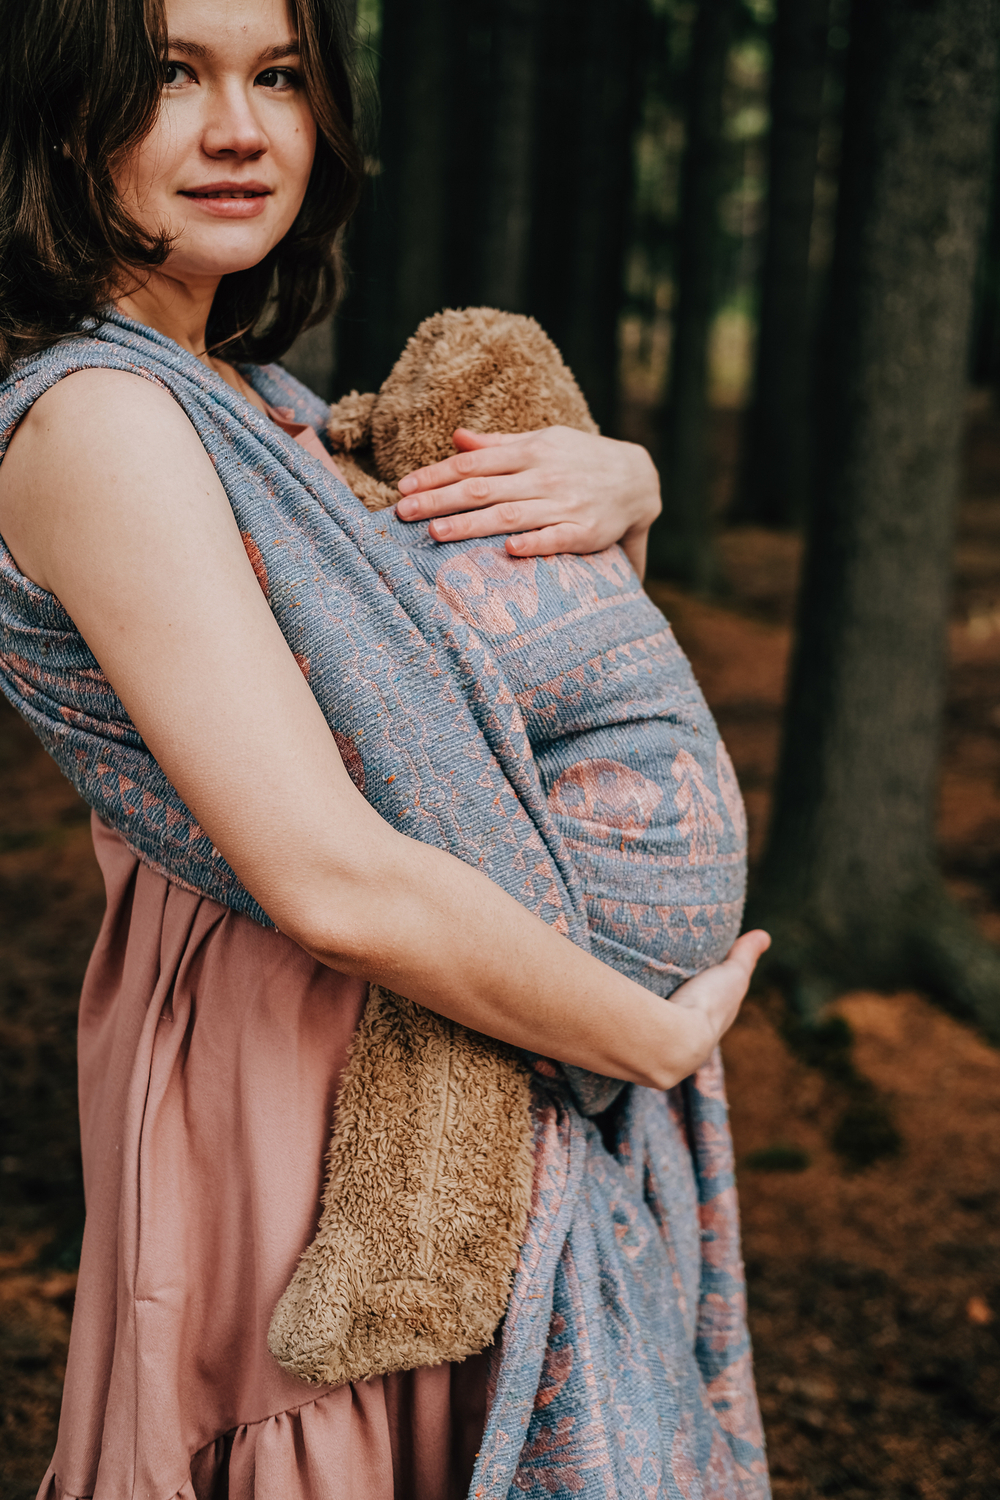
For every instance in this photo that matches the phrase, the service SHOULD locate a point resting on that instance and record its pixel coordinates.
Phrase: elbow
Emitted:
(665, 1079)
(332, 934)
(356, 915)
(331, 913)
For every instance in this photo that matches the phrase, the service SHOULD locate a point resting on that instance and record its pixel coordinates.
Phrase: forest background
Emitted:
(766, 236)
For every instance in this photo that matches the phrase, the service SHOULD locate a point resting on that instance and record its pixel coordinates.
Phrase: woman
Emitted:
(176, 165)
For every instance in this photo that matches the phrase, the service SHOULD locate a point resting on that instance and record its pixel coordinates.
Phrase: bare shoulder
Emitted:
(89, 408)
(89, 445)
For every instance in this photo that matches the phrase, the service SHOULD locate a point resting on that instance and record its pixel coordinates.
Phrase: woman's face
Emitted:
(225, 167)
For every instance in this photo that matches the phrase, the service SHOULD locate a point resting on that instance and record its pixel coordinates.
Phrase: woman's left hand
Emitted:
(556, 490)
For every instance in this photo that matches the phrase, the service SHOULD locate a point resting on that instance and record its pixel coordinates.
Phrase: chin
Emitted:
(221, 249)
(214, 259)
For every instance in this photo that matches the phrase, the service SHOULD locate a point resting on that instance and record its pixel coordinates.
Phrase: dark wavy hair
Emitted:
(80, 85)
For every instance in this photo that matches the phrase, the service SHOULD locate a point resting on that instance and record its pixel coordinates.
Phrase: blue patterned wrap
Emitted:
(537, 719)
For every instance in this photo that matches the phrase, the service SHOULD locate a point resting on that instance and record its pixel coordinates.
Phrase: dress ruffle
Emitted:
(280, 1449)
(331, 1448)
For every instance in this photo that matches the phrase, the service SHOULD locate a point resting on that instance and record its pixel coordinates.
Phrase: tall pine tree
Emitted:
(680, 543)
(850, 884)
(503, 177)
(777, 466)
(588, 110)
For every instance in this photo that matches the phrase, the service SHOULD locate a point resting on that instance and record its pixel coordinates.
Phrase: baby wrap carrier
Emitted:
(536, 719)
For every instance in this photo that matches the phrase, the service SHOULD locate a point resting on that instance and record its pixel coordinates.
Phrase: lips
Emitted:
(229, 200)
(218, 190)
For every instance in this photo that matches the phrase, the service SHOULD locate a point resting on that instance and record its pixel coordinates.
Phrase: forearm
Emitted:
(497, 968)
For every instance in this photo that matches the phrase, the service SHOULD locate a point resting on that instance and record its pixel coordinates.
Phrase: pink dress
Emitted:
(210, 1053)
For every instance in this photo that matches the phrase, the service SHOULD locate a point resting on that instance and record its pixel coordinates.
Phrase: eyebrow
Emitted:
(270, 54)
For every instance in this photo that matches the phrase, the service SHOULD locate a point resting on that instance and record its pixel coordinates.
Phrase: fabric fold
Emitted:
(442, 673)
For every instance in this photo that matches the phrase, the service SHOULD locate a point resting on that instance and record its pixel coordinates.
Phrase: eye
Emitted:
(174, 74)
(278, 79)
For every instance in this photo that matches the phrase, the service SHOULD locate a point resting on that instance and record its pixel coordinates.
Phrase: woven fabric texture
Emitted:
(537, 719)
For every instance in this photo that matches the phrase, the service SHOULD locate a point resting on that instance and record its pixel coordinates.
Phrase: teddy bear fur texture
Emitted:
(427, 1196)
(478, 368)
(430, 1163)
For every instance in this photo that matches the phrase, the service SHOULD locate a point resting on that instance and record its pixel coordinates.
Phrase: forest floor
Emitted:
(874, 1291)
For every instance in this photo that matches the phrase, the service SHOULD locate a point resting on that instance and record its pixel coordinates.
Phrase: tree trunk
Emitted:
(357, 361)
(493, 153)
(399, 248)
(505, 178)
(680, 544)
(589, 101)
(985, 360)
(776, 476)
(310, 359)
(448, 217)
(850, 883)
(509, 158)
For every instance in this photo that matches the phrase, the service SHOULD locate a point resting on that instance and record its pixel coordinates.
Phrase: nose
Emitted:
(232, 128)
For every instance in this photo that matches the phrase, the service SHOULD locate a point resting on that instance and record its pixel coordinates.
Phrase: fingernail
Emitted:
(406, 484)
(442, 529)
(406, 508)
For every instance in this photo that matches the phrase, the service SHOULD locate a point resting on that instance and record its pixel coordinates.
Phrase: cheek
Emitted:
(300, 153)
(147, 173)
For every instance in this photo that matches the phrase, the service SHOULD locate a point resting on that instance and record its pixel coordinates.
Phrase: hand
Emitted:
(556, 490)
(716, 994)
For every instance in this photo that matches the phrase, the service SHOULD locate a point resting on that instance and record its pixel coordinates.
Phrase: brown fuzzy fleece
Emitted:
(430, 1165)
(427, 1197)
(479, 368)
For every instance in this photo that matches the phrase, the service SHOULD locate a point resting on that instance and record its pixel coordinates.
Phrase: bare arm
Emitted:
(144, 553)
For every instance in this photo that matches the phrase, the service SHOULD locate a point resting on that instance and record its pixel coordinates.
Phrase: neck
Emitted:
(177, 309)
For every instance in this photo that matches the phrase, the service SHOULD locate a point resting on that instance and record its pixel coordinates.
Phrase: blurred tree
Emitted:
(588, 110)
(850, 885)
(985, 354)
(680, 544)
(776, 474)
(400, 249)
(657, 151)
(492, 113)
(503, 177)
(448, 216)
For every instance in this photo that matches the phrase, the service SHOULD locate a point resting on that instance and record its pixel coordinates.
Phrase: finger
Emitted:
(747, 951)
(464, 438)
(494, 520)
(475, 461)
(546, 541)
(475, 494)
